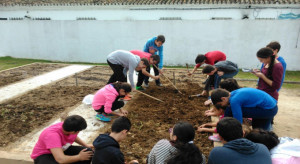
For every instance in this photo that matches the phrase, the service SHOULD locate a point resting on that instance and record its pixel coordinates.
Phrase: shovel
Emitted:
(197, 95)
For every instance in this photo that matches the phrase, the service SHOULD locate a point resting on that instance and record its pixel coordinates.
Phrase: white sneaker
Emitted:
(146, 85)
(159, 84)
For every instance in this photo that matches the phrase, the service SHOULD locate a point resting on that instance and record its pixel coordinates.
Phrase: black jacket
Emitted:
(107, 151)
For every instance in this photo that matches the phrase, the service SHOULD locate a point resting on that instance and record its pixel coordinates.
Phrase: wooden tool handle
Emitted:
(168, 80)
(149, 96)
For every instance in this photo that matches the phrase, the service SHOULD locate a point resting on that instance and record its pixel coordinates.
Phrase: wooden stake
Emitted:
(76, 79)
(149, 96)
(187, 67)
(174, 78)
(169, 80)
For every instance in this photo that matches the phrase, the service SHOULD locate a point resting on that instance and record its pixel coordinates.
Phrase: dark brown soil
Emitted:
(22, 115)
(150, 119)
(21, 73)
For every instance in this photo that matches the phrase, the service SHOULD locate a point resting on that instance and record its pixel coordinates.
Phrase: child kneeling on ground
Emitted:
(107, 147)
(106, 100)
(55, 143)
(179, 149)
(205, 127)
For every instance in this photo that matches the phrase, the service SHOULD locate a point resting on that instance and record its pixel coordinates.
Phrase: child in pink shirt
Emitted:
(55, 143)
(106, 100)
(144, 73)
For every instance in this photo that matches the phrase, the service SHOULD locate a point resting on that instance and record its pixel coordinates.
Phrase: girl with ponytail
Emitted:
(179, 150)
(270, 75)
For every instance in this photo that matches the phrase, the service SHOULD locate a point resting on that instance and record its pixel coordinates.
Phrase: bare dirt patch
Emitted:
(152, 119)
(22, 115)
(17, 74)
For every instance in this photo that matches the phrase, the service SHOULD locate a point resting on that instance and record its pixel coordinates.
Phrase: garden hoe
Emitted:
(169, 81)
(197, 95)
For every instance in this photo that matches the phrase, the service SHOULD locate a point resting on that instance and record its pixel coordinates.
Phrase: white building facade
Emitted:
(88, 33)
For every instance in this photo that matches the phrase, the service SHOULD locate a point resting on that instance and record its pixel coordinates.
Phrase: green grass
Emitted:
(291, 86)
(10, 62)
(289, 75)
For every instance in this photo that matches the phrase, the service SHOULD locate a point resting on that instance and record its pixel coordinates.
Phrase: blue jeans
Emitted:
(261, 118)
(225, 76)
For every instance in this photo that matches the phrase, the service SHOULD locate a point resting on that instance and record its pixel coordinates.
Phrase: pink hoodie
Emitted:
(105, 96)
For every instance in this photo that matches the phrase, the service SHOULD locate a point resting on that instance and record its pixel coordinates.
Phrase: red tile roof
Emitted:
(142, 2)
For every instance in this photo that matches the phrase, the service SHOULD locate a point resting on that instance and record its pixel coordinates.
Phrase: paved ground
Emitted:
(22, 87)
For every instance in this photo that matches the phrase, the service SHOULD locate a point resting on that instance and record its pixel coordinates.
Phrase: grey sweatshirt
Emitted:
(226, 66)
(128, 60)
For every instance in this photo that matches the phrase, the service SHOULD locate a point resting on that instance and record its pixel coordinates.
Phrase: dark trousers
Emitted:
(261, 118)
(118, 74)
(49, 158)
(156, 72)
(116, 105)
(225, 76)
(141, 78)
(209, 82)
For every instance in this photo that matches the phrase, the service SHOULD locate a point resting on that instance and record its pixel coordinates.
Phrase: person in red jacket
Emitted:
(211, 58)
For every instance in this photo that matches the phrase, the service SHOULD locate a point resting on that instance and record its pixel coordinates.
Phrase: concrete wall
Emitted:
(92, 41)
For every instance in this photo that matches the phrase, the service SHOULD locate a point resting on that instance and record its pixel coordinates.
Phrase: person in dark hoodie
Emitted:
(236, 149)
(107, 148)
(221, 70)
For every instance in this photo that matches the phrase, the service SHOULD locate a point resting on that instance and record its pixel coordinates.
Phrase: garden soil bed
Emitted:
(150, 119)
(32, 110)
(17, 74)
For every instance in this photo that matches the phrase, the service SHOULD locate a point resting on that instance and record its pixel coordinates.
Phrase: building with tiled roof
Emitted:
(88, 30)
(145, 9)
(143, 2)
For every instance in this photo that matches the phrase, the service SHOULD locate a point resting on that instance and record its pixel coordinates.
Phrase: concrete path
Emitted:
(13, 90)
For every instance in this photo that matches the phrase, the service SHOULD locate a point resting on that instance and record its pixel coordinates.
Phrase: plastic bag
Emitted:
(88, 99)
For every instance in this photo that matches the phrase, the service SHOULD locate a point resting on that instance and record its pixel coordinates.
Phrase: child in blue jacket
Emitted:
(155, 46)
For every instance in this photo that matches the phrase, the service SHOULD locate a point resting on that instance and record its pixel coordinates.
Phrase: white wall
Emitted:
(92, 41)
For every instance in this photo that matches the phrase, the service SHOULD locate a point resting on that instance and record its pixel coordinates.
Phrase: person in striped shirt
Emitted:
(179, 149)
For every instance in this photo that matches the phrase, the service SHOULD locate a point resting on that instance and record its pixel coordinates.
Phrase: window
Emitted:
(170, 18)
(85, 18)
